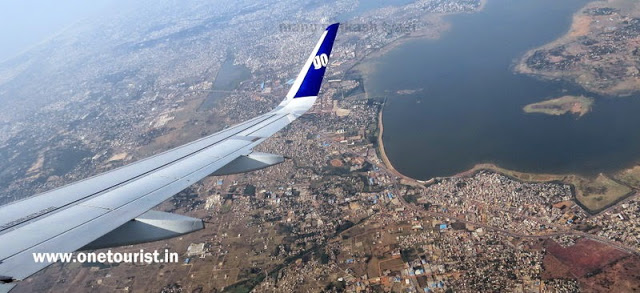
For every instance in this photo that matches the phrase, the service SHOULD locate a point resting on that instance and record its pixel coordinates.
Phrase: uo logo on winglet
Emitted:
(320, 61)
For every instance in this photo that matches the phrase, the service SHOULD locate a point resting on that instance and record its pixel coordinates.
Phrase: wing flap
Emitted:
(36, 206)
(150, 226)
(250, 162)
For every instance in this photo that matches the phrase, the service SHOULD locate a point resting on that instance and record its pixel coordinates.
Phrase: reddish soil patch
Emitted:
(585, 257)
(622, 276)
(336, 163)
(555, 269)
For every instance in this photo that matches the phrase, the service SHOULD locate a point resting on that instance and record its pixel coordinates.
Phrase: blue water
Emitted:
(469, 110)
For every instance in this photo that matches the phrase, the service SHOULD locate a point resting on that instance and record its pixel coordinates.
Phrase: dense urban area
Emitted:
(333, 217)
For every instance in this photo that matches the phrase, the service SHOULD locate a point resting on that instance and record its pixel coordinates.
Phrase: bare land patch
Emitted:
(598, 267)
(584, 257)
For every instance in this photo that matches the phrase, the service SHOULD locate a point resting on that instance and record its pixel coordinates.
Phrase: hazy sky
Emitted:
(24, 23)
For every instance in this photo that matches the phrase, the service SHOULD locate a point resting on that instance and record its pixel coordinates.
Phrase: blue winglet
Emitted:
(312, 81)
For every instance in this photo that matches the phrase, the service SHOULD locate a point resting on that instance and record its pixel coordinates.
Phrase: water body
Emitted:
(228, 79)
(230, 76)
(470, 108)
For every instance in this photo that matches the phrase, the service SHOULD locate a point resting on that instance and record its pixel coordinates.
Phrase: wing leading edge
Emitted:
(78, 215)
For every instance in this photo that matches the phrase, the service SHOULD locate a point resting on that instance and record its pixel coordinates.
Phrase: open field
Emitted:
(598, 193)
(630, 177)
(578, 105)
(394, 265)
(620, 276)
(599, 268)
(584, 257)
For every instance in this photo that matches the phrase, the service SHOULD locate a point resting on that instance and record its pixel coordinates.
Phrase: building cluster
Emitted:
(620, 223)
(489, 198)
(420, 256)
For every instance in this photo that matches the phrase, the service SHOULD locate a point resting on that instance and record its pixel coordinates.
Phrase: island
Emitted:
(579, 105)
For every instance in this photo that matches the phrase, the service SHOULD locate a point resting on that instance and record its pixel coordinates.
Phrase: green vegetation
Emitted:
(579, 105)
(246, 285)
(629, 177)
(284, 229)
(410, 198)
(324, 258)
(249, 190)
(336, 286)
(408, 254)
(225, 208)
(336, 171)
(600, 192)
(344, 226)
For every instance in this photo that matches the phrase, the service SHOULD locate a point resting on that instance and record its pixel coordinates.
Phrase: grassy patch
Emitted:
(225, 208)
(630, 176)
(598, 193)
(579, 105)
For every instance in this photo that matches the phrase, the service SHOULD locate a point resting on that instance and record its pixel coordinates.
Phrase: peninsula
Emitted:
(599, 52)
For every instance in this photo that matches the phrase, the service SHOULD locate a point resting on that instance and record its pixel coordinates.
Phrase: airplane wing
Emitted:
(112, 208)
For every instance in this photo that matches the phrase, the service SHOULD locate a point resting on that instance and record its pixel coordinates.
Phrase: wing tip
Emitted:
(313, 75)
(333, 26)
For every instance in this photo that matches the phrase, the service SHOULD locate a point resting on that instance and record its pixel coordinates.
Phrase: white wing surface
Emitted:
(112, 208)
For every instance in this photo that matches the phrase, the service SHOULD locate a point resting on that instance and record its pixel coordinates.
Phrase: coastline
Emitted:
(434, 33)
(618, 86)
(520, 65)
(381, 151)
(434, 30)
(569, 104)
(591, 203)
(404, 179)
(616, 189)
(522, 176)
(361, 66)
